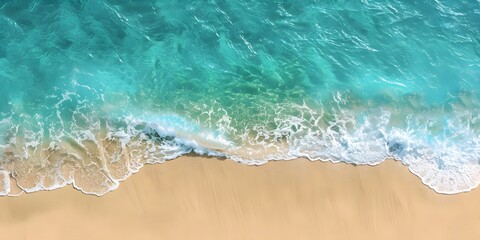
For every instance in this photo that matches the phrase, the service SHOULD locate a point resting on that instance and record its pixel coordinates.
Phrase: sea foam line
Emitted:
(448, 165)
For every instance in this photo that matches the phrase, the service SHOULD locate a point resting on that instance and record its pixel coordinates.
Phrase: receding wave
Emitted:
(96, 159)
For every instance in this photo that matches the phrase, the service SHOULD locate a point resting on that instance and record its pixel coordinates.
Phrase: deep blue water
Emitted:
(91, 90)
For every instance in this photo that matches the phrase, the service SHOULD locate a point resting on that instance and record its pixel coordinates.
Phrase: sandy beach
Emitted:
(207, 198)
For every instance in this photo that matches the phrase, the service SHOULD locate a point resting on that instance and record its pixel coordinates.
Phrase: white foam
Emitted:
(4, 183)
(186, 133)
(448, 163)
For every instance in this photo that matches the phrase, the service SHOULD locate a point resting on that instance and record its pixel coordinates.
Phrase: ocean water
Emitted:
(92, 90)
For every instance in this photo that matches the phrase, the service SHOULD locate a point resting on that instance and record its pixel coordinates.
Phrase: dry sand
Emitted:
(206, 198)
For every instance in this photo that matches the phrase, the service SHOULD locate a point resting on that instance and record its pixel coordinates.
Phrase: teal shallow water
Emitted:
(93, 90)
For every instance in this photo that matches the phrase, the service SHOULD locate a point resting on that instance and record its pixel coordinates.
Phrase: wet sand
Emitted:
(207, 198)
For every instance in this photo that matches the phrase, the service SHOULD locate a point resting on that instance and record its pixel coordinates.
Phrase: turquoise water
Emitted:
(92, 90)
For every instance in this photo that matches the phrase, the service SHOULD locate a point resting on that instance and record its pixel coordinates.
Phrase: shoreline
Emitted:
(220, 158)
(210, 198)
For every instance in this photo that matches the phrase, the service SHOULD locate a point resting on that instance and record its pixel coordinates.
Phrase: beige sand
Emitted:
(200, 198)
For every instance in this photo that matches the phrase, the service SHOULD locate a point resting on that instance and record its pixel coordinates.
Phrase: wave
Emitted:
(97, 159)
